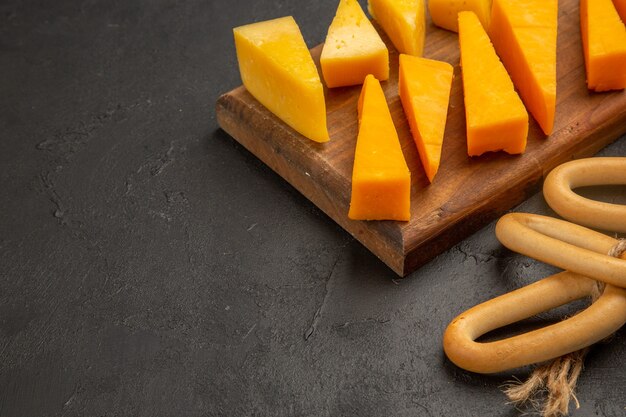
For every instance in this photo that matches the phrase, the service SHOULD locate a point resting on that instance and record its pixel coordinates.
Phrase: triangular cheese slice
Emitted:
(495, 116)
(404, 21)
(353, 48)
(524, 35)
(424, 87)
(277, 69)
(381, 181)
(604, 45)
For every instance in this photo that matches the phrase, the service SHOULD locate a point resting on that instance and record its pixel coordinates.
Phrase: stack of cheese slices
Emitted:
(508, 61)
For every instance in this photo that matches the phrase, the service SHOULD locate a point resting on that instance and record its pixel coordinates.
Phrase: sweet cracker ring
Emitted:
(582, 252)
(595, 323)
(557, 190)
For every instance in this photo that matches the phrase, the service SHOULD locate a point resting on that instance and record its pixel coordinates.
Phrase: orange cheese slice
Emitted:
(353, 48)
(445, 12)
(277, 69)
(524, 35)
(604, 45)
(381, 181)
(404, 21)
(620, 5)
(424, 87)
(495, 116)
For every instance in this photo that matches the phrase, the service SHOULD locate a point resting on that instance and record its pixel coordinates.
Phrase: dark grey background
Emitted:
(150, 265)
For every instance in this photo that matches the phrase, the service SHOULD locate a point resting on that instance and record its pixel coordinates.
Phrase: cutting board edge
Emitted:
(384, 239)
(389, 241)
(458, 227)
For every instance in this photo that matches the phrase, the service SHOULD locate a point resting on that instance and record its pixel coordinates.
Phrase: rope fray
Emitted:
(555, 381)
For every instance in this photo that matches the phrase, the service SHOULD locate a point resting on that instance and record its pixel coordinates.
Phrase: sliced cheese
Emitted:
(445, 12)
(404, 21)
(353, 48)
(381, 181)
(604, 45)
(495, 116)
(523, 33)
(424, 87)
(278, 70)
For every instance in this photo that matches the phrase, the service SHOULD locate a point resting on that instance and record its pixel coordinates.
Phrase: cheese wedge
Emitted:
(278, 70)
(404, 21)
(424, 87)
(445, 12)
(495, 116)
(353, 48)
(523, 33)
(381, 181)
(620, 5)
(604, 45)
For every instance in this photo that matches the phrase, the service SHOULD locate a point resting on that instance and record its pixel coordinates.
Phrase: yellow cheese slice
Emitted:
(404, 21)
(524, 35)
(277, 69)
(353, 48)
(495, 116)
(604, 45)
(381, 181)
(424, 87)
(445, 12)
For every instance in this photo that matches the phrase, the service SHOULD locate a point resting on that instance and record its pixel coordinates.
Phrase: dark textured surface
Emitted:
(149, 265)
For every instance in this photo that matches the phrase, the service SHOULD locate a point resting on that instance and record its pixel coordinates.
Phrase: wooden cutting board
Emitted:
(467, 193)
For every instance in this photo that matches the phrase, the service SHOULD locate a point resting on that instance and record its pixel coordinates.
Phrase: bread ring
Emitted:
(557, 190)
(581, 251)
(595, 323)
(562, 244)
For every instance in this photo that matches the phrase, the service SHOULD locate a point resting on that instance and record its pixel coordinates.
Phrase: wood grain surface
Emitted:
(467, 192)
